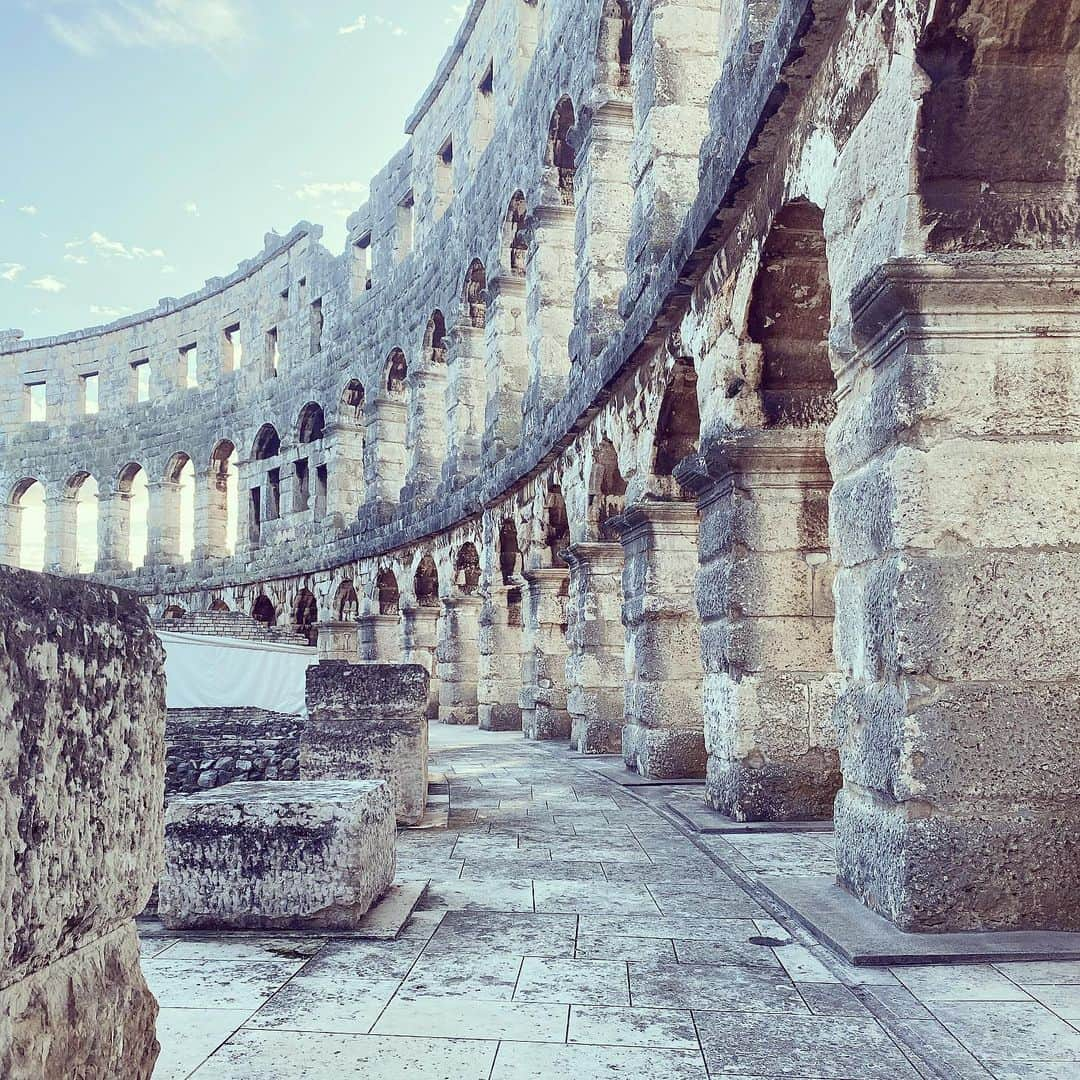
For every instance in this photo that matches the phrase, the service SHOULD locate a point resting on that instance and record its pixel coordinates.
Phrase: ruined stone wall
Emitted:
(82, 693)
(754, 258)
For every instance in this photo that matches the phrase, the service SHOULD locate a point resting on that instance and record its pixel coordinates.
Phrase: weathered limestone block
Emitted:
(664, 735)
(300, 855)
(543, 671)
(337, 641)
(458, 659)
(82, 693)
(957, 617)
(368, 722)
(379, 639)
(499, 679)
(596, 661)
(420, 634)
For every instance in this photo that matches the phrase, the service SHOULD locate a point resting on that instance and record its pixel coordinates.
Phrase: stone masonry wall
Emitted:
(82, 693)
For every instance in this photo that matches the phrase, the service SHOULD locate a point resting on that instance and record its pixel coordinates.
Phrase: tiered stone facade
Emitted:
(806, 271)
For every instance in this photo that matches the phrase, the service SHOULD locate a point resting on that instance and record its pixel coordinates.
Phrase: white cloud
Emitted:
(107, 312)
(114, 248)
(322, 189)
(359, 24)
(48, 284)
(78, 260)
(191, 208)
(11, 271)
(203, 24)
(395, 30)
(29, 209)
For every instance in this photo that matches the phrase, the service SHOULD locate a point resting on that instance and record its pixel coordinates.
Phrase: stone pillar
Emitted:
(61, 556)
(606, 195)
(386, 444)
(664, 734)
(163, 523)
(10, 531)
(764, 595)
(338, 640)
(379, 639)
(420, 633)
(549, 303)
(426, 437)
(956, 456)
(507, 365)
(114, 528)
(211, 514)
(543, 669)
(344, 469)
(499, 680)
(464, 407)
(458, 659)
(596, 640)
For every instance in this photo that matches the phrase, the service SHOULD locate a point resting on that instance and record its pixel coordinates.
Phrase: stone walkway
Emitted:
(570, 931)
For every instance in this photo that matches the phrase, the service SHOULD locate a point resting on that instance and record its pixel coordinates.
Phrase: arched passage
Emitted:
(425, 436)
(133, 533)
(175, 532)
(220, 517)
(561, 156)
(306, 615)
(264, 482)
(346, 481)
(84, 489)
(263, 611)
(607, 489)
(27, 541)
(388, 594)
(389, 420)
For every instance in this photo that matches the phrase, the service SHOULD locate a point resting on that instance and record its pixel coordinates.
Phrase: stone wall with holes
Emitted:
(773, 261)
(82, 693)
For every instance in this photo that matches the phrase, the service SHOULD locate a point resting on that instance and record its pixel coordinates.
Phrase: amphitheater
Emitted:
(698, 385)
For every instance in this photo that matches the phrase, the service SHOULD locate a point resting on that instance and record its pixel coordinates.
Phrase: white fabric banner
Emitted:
(216, 672)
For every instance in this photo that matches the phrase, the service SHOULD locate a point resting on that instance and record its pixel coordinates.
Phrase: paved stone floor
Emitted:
(570, 931)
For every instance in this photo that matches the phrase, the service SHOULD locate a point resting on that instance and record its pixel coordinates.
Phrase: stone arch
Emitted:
(351, 404)
(345, 488)
(387, 592)
(346, 602)
(678, 424)
(607, 488)
(426, 582)
(82, 543)
(27, 535)
(435, 338)
(515, 238)
(509, 551)
(789, 318)
(474, 295)
(176, 513)
(311, 424)
(221, 518)
(263, 610)
(561, 155)
(132, 535)
(396, 374)
(219, 605)
(467, 569)
(556, 523)
(173, 612)
(267, 443)
(306, 615)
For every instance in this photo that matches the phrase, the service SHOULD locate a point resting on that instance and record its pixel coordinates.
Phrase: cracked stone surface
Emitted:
(571, 930)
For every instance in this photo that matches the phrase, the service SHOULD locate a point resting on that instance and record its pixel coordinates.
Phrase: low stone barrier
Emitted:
(367, 721)
(82, 696)
(278, 855)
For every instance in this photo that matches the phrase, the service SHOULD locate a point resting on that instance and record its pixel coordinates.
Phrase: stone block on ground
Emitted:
(302, 855)
(368, 722)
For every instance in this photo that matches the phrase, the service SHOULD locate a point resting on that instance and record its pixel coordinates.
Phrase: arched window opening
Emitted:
(178, 516)
(352, 402)
(306, 615)
(467, 569)
(224, 496)
(557, 524)
(267, 443)
(789, 317)
(173, 612)
(560, 153)
(515, 237)
(396, 374)
(474, 295)
(85, 489)
(133, 486)
(426, 583)
(607, 488)
(679, 424)
(311, 425)
(264, 611)
(509, 552)
(219, 605)
(29, 497)
(346, 603)
(435, 338)
(389, 595)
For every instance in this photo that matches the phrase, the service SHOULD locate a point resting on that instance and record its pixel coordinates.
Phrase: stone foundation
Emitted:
(295, 855)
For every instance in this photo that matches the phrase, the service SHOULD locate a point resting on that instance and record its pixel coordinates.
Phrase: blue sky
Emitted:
(149, 144)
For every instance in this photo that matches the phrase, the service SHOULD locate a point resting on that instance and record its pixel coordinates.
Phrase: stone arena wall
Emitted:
(699, 381)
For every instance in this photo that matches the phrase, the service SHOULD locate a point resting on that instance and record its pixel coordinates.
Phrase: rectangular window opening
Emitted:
(405, 211)
(234, 351)
(189, 366)
(273, 500)
(273, 353)
(90, 393)
(303, 494)
(316, 326)
(141, 372)
(320, 490)
(36, 403)
(256, 514)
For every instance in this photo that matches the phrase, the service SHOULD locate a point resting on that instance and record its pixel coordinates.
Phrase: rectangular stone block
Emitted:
(664, 754)
(340, 691)
(300, 855)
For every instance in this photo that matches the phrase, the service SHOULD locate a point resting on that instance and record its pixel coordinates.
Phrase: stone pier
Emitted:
(543, 669)
(458, 659)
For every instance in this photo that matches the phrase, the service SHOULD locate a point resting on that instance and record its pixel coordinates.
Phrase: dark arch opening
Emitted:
(346, 603)
(389, 594)
(509, 552)
(306, 615)
(678, 427)
(556, 523)
(607, 488)
(474, 294)
(467, 568)
(312, 423)
(219, 605)
(515, 238)
(173, 612)
(267, 443)
(789, 317)
(264, 612)
(560, 154)
(435, 338)
(426, 583)
(352, 402)
(397, 371)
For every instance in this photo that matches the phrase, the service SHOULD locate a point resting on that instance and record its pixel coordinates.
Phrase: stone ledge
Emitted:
(864, 939)
(701, 819)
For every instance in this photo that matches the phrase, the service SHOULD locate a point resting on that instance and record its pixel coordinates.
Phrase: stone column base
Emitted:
(799, 790)
(664, 754)
(544, 723)
(88, 1014)
(461, 715)
(499, 717)
(943, 873)
(591, 735)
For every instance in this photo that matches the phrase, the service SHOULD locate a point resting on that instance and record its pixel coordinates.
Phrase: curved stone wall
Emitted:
(619, 413)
